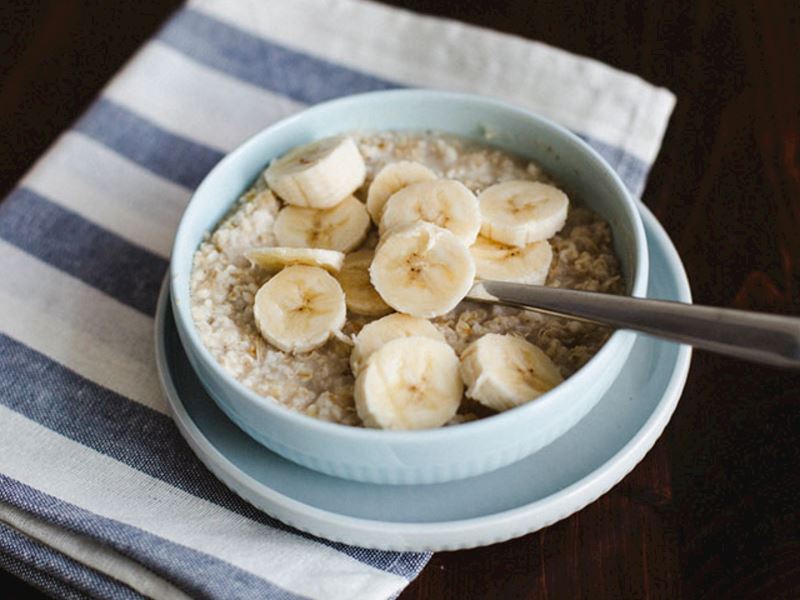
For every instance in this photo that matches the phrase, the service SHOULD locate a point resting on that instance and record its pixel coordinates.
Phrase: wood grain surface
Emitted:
(712, 511)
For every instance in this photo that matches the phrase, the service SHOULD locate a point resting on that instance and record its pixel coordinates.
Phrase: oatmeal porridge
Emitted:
(321, 381)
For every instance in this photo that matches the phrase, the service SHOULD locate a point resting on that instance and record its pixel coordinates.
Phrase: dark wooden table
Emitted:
(712, 511)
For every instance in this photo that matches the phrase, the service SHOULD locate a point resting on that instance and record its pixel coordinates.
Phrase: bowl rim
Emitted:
(619, 340)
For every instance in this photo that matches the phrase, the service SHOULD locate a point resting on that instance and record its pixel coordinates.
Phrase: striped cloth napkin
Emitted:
(99, 495)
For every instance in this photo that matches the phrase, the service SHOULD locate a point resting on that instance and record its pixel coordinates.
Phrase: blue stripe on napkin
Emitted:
(166, 154)
(39, 579)
(195, 572)
(631, 170)
(86, 251)
(79, 409)
(256, 60)
(54, 572)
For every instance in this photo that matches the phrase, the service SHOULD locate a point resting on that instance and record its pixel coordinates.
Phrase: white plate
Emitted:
(528, 495)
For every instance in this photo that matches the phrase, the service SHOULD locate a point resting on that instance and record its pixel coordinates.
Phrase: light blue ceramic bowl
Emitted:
(435, 455)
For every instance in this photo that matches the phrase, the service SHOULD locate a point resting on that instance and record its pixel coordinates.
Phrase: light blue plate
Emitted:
(530, 494)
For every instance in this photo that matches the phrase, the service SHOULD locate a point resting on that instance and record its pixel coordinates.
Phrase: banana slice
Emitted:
(498, 262)
(397, 325)
(298, 309)
(445, 202)
(504, 371)
(361, 297)
(519, 213)
(409, 383)
(341, 228)
(318, 175)
(422, 270)
(392, 178)
(273, 259)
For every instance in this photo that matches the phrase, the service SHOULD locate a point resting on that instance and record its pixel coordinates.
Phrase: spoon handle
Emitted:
(758, 337)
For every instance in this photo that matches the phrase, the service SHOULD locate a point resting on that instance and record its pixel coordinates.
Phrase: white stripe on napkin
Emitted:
(583, 94)
(78, 326)
(92, 554)
(111, 191)
(192, 100)
(74, 473)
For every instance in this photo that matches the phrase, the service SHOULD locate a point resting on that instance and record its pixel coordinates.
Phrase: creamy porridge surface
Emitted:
(319, 383)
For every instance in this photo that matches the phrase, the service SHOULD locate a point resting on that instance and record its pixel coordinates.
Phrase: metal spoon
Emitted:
(759, 337)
